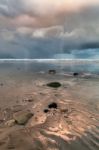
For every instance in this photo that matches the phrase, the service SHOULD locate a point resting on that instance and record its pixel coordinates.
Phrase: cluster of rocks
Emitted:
(23, 116)
(75, 74)
(53, 72)
(53, 105)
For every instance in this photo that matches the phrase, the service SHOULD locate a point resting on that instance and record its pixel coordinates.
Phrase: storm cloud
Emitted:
(49, 29)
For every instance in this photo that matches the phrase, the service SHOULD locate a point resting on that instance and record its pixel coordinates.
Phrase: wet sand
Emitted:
(73, 124)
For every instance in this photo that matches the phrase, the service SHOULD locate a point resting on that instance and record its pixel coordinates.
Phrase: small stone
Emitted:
(36, 118)
(30, 100)
(22, 117)
(65, 116)
(46, 110)
(1, 84)
(69, 122)
(64, 110)
(10, 123)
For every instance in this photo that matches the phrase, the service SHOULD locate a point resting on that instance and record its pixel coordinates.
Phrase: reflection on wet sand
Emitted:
(70, 126)
(35, 116)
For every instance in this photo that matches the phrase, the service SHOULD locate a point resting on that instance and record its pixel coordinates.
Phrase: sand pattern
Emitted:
(68, 126)
(34, 116)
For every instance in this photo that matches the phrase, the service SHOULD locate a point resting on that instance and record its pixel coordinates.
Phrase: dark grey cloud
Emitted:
(90, 45)
(80, 54)
(67, 48)
(23, 45)
(27, 31)
(26, 47)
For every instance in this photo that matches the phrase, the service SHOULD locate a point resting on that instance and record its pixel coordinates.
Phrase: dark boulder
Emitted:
(52, 71)
(54, 84)
(75, 74)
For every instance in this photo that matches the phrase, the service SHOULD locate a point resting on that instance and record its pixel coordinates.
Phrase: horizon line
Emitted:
(46, 59)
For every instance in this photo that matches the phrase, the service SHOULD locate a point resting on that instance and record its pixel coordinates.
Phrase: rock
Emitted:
(28, 100)
(54, 84)
(10, 123)
(46, 110)
(1, 84)
(75, 74)
(52, 105)
(64, 110)
(22, 117)
(52, 71)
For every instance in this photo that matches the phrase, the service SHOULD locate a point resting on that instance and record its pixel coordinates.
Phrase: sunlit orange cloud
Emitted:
(44, 13)
(45, 7)
(29, 21)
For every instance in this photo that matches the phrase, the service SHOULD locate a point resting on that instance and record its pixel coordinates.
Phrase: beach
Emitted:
(35, 116)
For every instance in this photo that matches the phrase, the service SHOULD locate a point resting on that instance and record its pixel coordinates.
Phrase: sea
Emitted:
(43, 65)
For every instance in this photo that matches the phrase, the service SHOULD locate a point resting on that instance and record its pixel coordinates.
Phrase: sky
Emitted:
(49, 29)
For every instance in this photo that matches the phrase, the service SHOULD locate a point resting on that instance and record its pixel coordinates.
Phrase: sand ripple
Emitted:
(70, 126)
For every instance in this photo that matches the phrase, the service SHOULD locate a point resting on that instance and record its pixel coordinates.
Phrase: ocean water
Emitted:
(61, 66)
